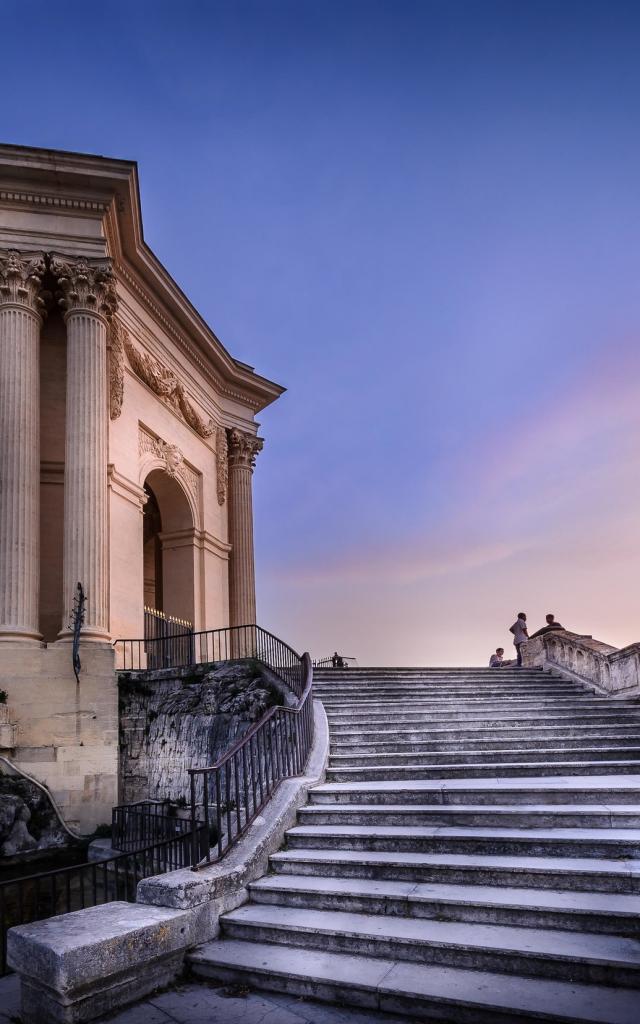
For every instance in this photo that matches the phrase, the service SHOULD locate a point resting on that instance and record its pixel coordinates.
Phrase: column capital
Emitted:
(21, 276)
(85, 285)
(243, 448)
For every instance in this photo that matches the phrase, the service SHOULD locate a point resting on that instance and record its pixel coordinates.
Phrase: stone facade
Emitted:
(116, 401)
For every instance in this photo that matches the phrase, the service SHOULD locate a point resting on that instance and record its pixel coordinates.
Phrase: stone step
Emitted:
(370, 693)
(453, 770)
(591, 958)
(533, 752)
(589, 789)
(484, 731)
(527, 908)
(540, 842)
(352, 709)
(499, 739)
(560, 717)
(534, 816)
(448, 995)
(583, 874)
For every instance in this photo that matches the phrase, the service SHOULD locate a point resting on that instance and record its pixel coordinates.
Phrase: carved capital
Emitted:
(243, 449)
(21, 276)
(85, 285)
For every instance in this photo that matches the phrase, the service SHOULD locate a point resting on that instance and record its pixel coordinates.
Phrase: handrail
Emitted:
(208, 646)
(245, 777)
(276, 747)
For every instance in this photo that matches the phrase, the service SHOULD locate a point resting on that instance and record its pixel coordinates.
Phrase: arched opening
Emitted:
(168, 549)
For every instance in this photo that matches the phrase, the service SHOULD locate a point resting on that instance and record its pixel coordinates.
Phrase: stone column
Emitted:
(21, 312)
(87, 295)
(243, 449)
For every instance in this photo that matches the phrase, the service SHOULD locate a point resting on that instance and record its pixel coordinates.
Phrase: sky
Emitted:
(422, 218)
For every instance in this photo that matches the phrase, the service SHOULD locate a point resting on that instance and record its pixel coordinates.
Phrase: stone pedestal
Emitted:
(243, 449)
(20, 320)
(88, 298)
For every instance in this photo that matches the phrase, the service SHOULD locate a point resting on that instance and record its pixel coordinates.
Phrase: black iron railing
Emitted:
(36, 897)
(213, 645)
(168, 640)
(336, 661)
(136, 826)
(229, 794)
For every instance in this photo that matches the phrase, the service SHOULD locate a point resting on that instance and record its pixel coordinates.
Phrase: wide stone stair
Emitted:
(473, 856)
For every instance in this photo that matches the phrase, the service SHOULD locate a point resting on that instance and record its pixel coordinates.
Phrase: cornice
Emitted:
(109, 188)
(57, 202)
(142, 294)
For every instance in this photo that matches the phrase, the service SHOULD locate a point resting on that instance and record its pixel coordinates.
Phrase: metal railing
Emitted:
(136, 826)
(48, 893)
(231, 793)
(336, 661)
(168, 640)
(213, 645)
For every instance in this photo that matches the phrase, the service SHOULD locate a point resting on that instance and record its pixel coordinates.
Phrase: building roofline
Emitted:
(115, 183)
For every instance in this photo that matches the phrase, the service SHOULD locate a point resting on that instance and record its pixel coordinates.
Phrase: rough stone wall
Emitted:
(611, 670)
(175, 719)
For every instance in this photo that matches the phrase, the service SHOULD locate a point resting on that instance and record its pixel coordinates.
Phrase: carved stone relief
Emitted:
(172, 458)
(116, 367)
(164, 383)
(222, 464)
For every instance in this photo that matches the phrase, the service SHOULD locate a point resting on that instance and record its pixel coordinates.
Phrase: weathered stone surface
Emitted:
(174, 720)
(78, 966)
(27, 818)
(608, 669)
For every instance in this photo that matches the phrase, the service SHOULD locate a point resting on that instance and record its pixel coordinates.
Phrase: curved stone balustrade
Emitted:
(611, 670)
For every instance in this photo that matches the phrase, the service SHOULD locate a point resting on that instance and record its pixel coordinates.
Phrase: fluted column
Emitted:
(21, 311)
(88, 297)
(243, 449)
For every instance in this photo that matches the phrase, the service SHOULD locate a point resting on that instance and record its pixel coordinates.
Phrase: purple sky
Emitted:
(423, 219)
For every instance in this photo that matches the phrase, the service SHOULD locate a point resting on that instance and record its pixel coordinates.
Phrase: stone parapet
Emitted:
(609, 670)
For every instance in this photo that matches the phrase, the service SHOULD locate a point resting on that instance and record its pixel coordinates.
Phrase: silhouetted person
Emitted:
(520, 635)
(550, 626)
(337, 661)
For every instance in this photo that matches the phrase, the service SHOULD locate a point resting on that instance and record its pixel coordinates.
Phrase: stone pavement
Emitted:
(198, 1003)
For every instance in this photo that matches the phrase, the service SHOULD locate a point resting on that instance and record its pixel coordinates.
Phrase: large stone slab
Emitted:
(78, 966)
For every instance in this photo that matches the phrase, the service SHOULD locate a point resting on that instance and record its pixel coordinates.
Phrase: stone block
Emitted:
(78, 966)
(7, 736)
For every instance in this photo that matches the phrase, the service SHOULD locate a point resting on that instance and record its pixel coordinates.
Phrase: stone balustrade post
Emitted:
(243, 449)
(87, 295)
(21, 313)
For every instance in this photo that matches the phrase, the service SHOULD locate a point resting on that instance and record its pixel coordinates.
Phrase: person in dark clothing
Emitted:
(550, 626)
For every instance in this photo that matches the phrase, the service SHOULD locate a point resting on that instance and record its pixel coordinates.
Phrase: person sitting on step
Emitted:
(497, 660)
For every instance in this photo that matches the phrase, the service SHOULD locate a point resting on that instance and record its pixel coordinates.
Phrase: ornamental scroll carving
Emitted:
(222, 464)
(116, 368)
(21, 276)
(164, 383)
(172, 458)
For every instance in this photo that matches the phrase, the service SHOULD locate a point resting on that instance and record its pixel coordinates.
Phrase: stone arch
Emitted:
(173, 538)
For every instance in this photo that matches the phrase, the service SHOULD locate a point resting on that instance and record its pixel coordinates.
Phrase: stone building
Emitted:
(127, 445)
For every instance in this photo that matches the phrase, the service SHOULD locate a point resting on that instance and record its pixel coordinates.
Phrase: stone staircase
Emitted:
(474, 855)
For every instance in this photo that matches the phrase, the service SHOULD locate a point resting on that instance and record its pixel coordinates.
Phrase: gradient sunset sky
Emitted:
(423, 218)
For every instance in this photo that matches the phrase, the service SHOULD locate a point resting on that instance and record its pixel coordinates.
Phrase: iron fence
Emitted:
(136, 826)
(167, 639)
(210, 646)
(229, 794)
(49, 893)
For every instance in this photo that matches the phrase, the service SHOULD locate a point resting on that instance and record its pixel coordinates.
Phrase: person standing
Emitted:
(520, 635)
